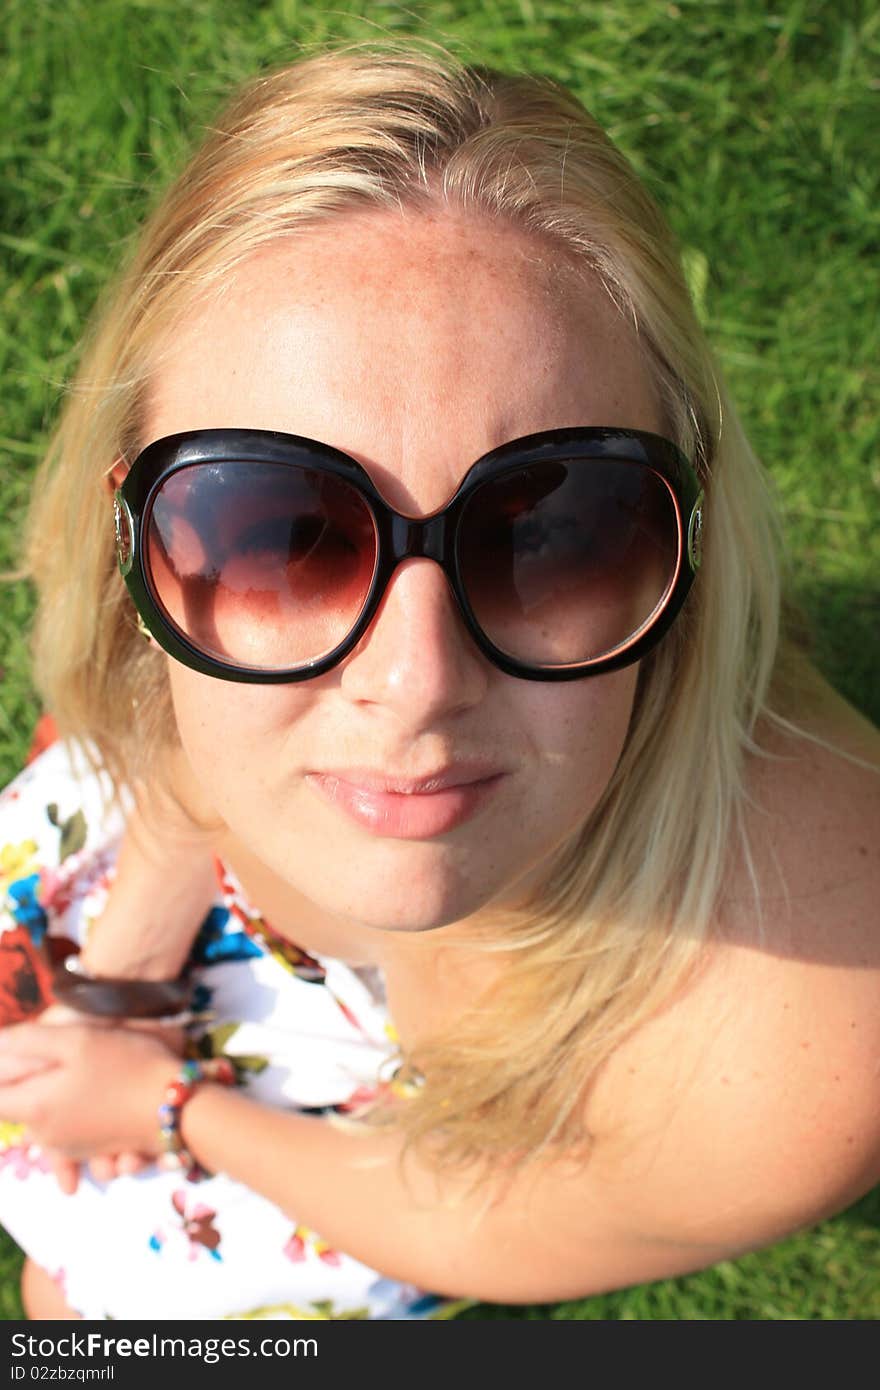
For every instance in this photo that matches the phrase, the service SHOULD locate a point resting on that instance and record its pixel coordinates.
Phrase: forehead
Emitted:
(413, 342)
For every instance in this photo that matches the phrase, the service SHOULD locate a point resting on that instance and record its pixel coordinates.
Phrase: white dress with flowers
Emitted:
(304, 1033)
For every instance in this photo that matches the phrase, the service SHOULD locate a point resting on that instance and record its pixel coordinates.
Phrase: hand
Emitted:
(84, 1091)
(66, 1170)
(103, 1167)
(61, 1013)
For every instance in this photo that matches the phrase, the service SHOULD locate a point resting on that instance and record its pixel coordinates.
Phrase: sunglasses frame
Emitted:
(400, 537)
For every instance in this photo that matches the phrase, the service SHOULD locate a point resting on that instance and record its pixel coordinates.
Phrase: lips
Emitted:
(408, 808)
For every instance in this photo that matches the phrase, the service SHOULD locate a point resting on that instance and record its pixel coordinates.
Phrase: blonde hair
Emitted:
(629, 902)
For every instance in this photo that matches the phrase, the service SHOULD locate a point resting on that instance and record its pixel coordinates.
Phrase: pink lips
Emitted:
(403, 808)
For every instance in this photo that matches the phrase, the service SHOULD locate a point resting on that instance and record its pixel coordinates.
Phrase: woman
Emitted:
(465, 668)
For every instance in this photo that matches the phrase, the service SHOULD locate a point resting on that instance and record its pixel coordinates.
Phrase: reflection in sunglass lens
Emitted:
(565, 561)
(263, 564)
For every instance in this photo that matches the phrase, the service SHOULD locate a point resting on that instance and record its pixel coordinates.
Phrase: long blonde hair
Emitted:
(628, 903)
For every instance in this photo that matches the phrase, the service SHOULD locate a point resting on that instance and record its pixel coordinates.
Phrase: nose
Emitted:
(417, 657)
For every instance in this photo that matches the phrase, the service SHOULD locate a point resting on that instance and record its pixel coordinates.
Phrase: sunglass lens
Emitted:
(565, 562)
(263, 565)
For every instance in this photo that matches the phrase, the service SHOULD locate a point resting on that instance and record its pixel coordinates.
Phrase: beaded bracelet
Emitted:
(179, 1090)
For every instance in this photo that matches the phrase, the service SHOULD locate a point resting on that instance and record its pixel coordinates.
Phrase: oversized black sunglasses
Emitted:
(262, 557)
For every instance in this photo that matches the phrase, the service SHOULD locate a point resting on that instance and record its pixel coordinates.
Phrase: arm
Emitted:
(163, 888)
(745, 1111)
(538, 1238)
(711, 1170)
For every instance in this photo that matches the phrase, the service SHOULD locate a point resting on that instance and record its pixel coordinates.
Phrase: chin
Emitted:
(427, 904)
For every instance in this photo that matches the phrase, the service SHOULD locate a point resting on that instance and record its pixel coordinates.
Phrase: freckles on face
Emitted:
(415, 347)
(579, 731)
(250, 748)
(243, 742)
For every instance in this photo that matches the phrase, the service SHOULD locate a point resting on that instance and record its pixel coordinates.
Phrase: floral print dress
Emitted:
(303, 1032)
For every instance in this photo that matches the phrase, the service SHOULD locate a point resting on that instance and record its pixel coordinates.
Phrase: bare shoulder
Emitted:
(813, 825)
(751, 1107)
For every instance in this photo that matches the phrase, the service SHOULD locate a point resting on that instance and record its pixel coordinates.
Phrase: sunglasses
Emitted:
(262, 557)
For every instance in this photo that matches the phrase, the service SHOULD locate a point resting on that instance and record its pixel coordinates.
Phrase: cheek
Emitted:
(225, 728)
(583, 730)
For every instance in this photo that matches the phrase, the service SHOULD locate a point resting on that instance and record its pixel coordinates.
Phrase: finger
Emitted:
(16, 1067)
(170, 1033)
(61, 1165)
(103, 1167)
(61, 1015)
(19, 1036)
(34, 1041)
(65, 1170)
(128, 1163)
(26, 1085)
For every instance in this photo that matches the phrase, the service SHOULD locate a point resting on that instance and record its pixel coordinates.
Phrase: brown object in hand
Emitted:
(117, 997)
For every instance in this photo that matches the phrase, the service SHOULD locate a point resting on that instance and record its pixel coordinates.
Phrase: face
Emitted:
(415, 344)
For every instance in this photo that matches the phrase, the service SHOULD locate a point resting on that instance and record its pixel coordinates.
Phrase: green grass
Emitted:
(755, 127)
